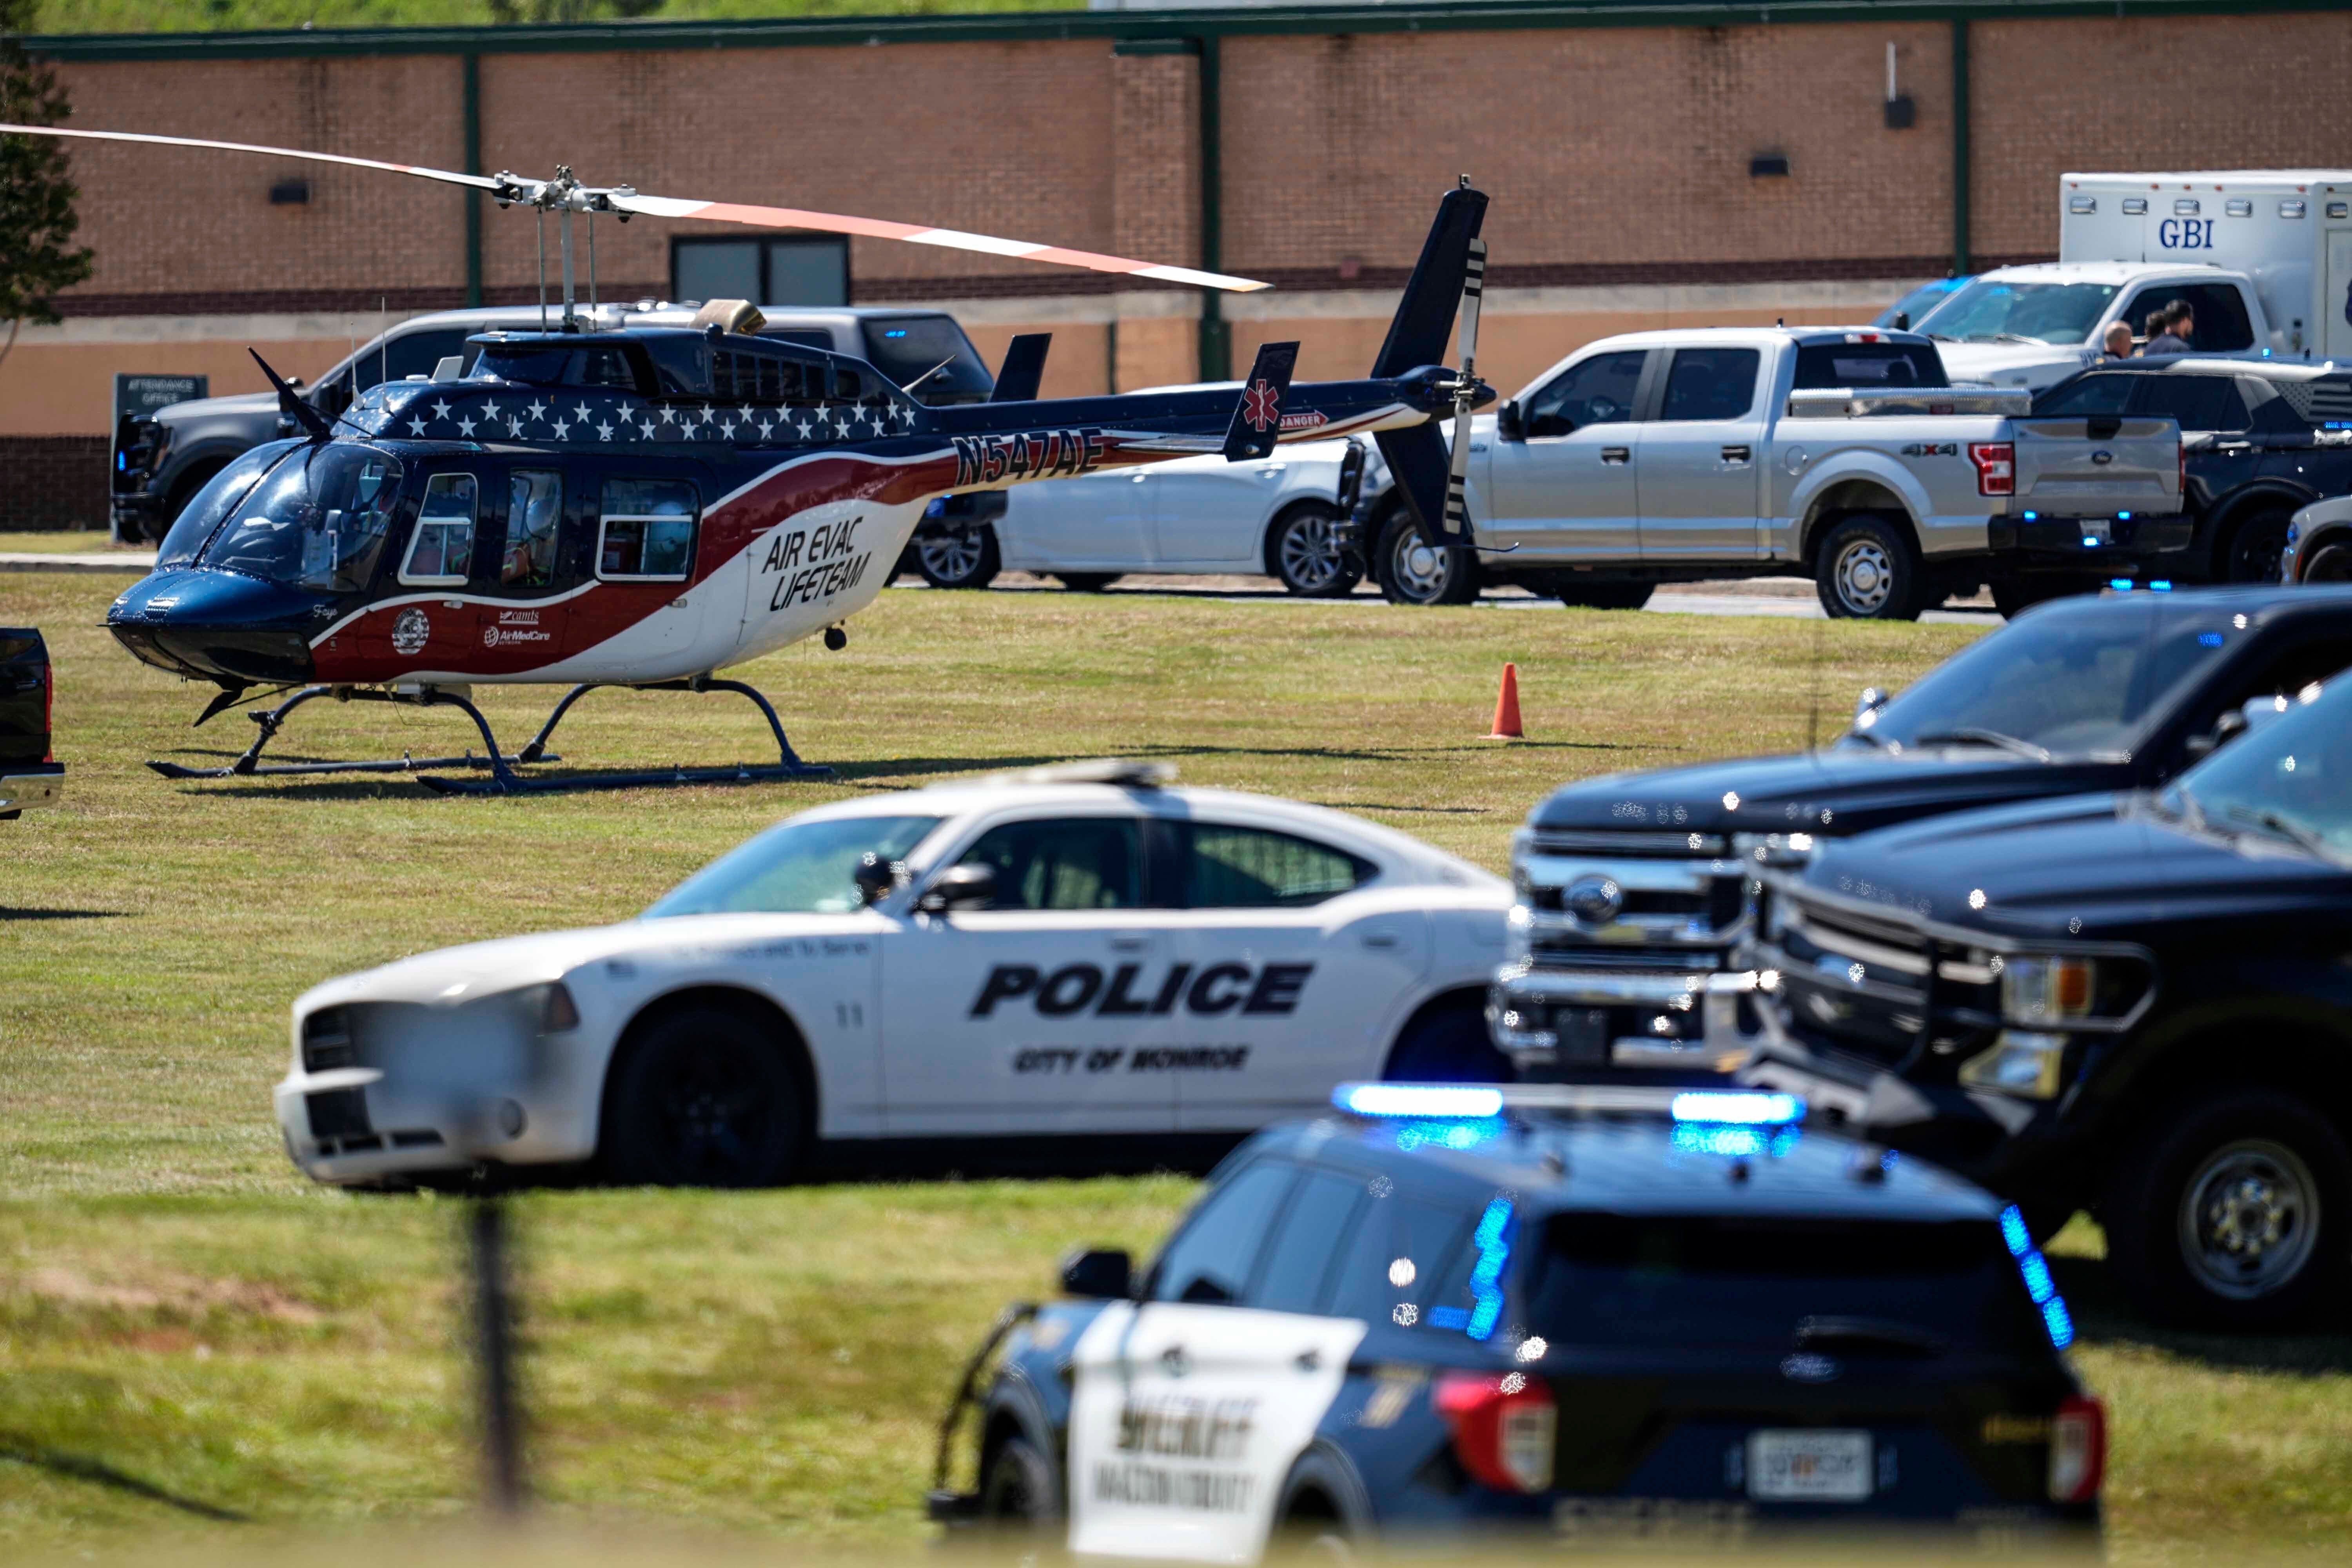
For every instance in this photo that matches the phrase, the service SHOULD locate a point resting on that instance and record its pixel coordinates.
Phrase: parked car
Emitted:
(1906, 311)
(1839, 452)
(2135, 1003)
(165, 459)
(1077, 953)
(30, 773)
(1452, 1316)
(2318, 543)
(1285, 516)
(2258, 441)
(1631, 890)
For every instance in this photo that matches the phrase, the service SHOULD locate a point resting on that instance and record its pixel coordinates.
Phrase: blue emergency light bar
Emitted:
(1441, 1101)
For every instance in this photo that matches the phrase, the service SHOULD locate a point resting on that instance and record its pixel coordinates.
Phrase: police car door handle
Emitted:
(1379, 939)
(1616, 453)
(1135, 941)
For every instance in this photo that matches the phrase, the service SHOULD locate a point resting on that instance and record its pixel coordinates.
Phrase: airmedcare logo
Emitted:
(1215, 990)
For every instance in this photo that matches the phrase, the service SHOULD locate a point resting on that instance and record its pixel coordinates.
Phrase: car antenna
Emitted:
(383, 341)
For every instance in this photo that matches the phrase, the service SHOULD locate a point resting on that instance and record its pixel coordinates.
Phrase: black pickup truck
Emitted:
(2135, 1003)
(2259, 439)
(1632, 889)
(29, 775)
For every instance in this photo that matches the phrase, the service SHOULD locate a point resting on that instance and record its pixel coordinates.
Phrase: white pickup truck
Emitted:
(1842, 453)
(2263, 258)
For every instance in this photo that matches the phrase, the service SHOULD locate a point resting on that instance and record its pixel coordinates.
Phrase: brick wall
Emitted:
(52, 481)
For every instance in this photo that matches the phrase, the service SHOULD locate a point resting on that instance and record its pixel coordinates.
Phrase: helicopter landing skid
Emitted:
(503, 780)
(250, 764)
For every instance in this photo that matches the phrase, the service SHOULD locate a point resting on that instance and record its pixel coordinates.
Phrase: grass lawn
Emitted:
(188, 1332)
(76, 541)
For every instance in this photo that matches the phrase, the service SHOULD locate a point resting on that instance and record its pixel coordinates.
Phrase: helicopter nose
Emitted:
(217, 624)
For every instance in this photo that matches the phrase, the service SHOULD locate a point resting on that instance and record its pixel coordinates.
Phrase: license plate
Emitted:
(1809, 1466)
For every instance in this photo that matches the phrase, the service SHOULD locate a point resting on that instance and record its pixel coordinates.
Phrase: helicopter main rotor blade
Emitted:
(479, 181)
(626, 201)
(918, 233)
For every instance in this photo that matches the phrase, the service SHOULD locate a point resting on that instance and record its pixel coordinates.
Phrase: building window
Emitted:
(808, 270)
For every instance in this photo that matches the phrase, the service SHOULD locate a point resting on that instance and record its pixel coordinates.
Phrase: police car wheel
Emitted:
(2233, 1216)
(1868, 571)
(2332, 563)
(2257, 545)
(703, 1099)
(966, 560)
(1019, 1487)
(1412, 571)
(1447, 1044)
(1304, 554)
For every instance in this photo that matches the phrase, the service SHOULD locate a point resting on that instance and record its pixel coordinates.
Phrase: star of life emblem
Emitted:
(1262, 406)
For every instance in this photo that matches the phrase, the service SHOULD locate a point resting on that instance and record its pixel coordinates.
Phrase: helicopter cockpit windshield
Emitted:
(318, 522)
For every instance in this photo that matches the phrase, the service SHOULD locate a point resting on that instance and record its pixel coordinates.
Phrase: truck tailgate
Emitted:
(2078, 466)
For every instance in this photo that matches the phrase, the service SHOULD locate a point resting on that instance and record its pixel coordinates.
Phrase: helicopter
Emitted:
(642, 506)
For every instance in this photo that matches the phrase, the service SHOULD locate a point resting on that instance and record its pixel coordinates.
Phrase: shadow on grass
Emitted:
(11, 914)
(74, 1467)
(2103, 1318)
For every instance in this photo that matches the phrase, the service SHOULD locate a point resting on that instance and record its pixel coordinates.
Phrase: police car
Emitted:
(1596, 1310)
(1076, 951)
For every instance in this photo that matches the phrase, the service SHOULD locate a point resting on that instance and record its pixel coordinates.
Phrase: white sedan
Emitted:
(1076, 951)
(1278, 515)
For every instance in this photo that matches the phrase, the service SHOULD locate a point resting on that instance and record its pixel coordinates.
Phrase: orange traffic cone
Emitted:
(1506, 708)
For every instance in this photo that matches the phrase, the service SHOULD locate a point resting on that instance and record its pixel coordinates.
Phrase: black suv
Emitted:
(2139, 1003)
(1455, 1310)
(2259, 439)
(29, 775)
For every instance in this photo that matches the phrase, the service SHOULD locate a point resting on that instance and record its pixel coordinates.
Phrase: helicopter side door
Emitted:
(528, 568)
(640, 521)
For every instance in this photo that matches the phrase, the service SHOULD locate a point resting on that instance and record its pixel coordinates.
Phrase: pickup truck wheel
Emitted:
(1088, 581)
(1412, 571)
(704, 1099)
(1018, 1490)
(2330, 563)
(2256, 546)
(1607, 596)
(967, 560)
(2233, 1214)
(1303, 553)
(1869, 571)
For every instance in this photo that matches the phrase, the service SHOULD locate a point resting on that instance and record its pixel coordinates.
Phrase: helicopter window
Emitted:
(318, 521)
(534, 509)
(648, 530)
(737, 377)
(443, 549)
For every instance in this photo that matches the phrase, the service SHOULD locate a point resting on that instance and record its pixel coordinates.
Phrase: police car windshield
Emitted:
(796, 867)
(2291, 779)
(205, 514)
(1991, 311)
(2079, 679)
(1717, 1281)
(318, 521)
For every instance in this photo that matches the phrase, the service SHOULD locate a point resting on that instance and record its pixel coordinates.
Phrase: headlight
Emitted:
(2020, 1062)
(2044, 990)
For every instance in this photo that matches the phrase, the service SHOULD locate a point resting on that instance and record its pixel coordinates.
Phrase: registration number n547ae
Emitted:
(1809, 1466)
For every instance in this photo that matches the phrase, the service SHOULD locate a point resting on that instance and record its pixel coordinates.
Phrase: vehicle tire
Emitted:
(1323, 1511)
(2329, 563)
(967, 560)
(2231, 1212)
(2012, 596)
(1868, 570)
(1448, 1043)
(1019, 1491)
(1303, 553)
(1088, 581)
(1606, 595)
(1412, 571)
(704, 1097)
(2254, 548)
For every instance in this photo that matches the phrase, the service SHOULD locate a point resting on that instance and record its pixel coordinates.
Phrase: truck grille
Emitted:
(1631, 899)
(1875, 986)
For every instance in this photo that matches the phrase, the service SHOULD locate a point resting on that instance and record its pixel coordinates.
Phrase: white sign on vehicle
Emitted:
(1185, 1422)
(1809, 1466)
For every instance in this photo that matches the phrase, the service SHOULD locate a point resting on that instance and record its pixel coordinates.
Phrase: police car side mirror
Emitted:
(874, 877)
(967, 886)
(1510, 422)
(1098, 1274)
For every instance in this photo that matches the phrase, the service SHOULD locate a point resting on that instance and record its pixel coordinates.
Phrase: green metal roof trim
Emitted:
(1407, 15)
